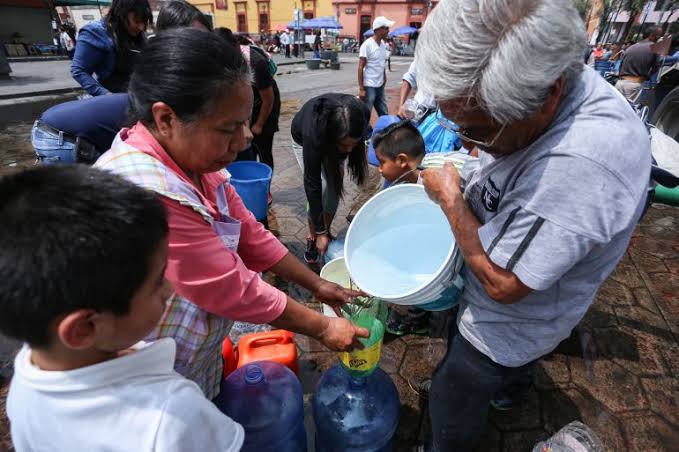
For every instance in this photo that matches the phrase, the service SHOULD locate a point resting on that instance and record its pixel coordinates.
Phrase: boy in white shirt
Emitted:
(82, 259)
(372, 58)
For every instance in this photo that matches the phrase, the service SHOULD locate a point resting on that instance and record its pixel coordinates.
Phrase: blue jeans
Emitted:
(462, 387)
(51, 148)
(377, 99)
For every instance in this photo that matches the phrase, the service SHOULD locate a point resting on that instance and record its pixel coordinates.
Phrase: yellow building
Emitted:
(253, 16)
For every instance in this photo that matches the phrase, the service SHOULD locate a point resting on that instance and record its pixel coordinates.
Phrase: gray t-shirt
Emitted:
(559, 215)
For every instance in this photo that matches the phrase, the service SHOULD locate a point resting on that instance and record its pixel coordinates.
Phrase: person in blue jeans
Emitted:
(371, 67)
(79, 131)
(109, 47)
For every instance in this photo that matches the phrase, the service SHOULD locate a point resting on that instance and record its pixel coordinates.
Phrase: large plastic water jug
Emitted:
(400, 248)
(355, 414)
(277, 346)
(266, 399)
(252, 181)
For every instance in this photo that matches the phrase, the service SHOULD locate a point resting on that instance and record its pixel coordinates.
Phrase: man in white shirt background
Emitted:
(371, 67)
(285, 43)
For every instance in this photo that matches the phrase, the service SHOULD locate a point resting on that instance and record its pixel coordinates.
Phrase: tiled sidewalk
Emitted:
(618, 372)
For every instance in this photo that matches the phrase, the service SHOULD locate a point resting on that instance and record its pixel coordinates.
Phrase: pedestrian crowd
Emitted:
(123, 278)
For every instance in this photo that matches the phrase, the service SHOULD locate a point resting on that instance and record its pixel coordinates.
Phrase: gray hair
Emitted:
(506, 54)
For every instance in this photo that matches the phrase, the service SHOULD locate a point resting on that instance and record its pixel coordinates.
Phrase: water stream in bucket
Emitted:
(399, 259)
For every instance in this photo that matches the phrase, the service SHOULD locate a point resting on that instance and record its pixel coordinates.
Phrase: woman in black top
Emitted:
(331, 129)
(266, 106)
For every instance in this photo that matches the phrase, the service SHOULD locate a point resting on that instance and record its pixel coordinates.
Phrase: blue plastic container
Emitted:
(355, 414)
(266, 399)
(252, 181)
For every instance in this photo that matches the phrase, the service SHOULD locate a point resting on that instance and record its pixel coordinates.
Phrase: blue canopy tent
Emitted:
(401, 31)
(368, 33)
(327, 22)
(317, 23)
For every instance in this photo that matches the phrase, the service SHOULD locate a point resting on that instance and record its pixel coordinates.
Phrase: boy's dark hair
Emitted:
(179, 13)
(72, 237)
(399, 137)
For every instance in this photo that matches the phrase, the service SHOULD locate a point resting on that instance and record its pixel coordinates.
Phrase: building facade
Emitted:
(356, 16)
(255, 16)
(615, 26)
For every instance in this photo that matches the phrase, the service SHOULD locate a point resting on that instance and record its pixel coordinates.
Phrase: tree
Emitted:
(634, 7)
(583, 7)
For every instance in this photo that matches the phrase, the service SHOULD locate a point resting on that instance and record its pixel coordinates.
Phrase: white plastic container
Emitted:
(400, 247)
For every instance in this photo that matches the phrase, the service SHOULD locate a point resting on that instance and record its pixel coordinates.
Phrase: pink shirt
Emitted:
(199, 266)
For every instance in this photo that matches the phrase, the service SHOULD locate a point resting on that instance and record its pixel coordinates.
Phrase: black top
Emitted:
(262, 80)
(97, 119)
(308, 133)
(639, 60)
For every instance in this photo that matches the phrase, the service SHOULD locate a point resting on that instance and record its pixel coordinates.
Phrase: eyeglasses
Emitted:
(445, 122)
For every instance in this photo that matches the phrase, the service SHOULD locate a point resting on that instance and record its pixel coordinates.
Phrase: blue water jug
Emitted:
(355, 414)
(252, 181)
(266, 399)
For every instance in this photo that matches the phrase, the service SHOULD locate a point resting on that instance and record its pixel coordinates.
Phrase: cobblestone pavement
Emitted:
(618, 372)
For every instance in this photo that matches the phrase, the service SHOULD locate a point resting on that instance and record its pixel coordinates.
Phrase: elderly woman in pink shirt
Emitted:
(191, 97)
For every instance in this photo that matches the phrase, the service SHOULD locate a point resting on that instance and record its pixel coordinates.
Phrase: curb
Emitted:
(49, 92)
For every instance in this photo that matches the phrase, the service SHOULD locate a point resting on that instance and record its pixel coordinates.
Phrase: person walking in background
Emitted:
(318, 44)
(390, 50)
(285, 42)
(66, 42)
(345, 45)
(371, 67)
(110, 47)
(638, 64)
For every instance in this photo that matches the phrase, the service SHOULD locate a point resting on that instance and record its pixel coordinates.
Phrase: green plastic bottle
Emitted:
(361, 363)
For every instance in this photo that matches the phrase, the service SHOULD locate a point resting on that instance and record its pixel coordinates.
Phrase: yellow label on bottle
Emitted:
(362, 360)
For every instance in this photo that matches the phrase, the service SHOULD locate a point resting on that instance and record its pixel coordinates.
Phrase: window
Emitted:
(349, 10)
(416, 11)
(263, 22)
(242, 24)
(88, 16)
(308, 15)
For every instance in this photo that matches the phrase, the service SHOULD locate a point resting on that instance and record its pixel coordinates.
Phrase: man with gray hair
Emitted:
(564, 169)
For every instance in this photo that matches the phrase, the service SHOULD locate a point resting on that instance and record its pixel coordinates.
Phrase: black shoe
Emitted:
(311, 253)
(415, 321)
(511, 398)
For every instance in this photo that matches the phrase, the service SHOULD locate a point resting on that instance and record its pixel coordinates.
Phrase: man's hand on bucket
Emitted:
(442, 184)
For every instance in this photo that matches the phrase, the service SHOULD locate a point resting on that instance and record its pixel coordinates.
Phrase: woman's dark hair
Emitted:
(187, 69)
(116, 21)
(179, 13)
(335, 120)
(227, 35)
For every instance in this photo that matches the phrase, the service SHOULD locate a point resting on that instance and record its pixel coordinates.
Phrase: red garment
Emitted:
(199, 266)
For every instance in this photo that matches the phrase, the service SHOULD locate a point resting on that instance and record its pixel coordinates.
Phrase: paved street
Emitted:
(618, 372)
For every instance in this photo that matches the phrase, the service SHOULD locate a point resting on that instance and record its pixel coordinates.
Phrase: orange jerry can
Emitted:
(230, 356)
(277, 346)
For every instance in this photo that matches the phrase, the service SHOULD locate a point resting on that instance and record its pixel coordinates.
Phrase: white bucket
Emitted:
(335, 271)
(400, 247)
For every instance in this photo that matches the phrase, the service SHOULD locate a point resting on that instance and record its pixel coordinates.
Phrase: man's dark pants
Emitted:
(462, 387)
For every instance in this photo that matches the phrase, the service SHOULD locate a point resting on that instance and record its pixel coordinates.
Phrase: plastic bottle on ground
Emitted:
(574, 437)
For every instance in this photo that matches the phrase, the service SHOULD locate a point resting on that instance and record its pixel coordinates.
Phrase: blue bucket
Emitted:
(252, 181)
